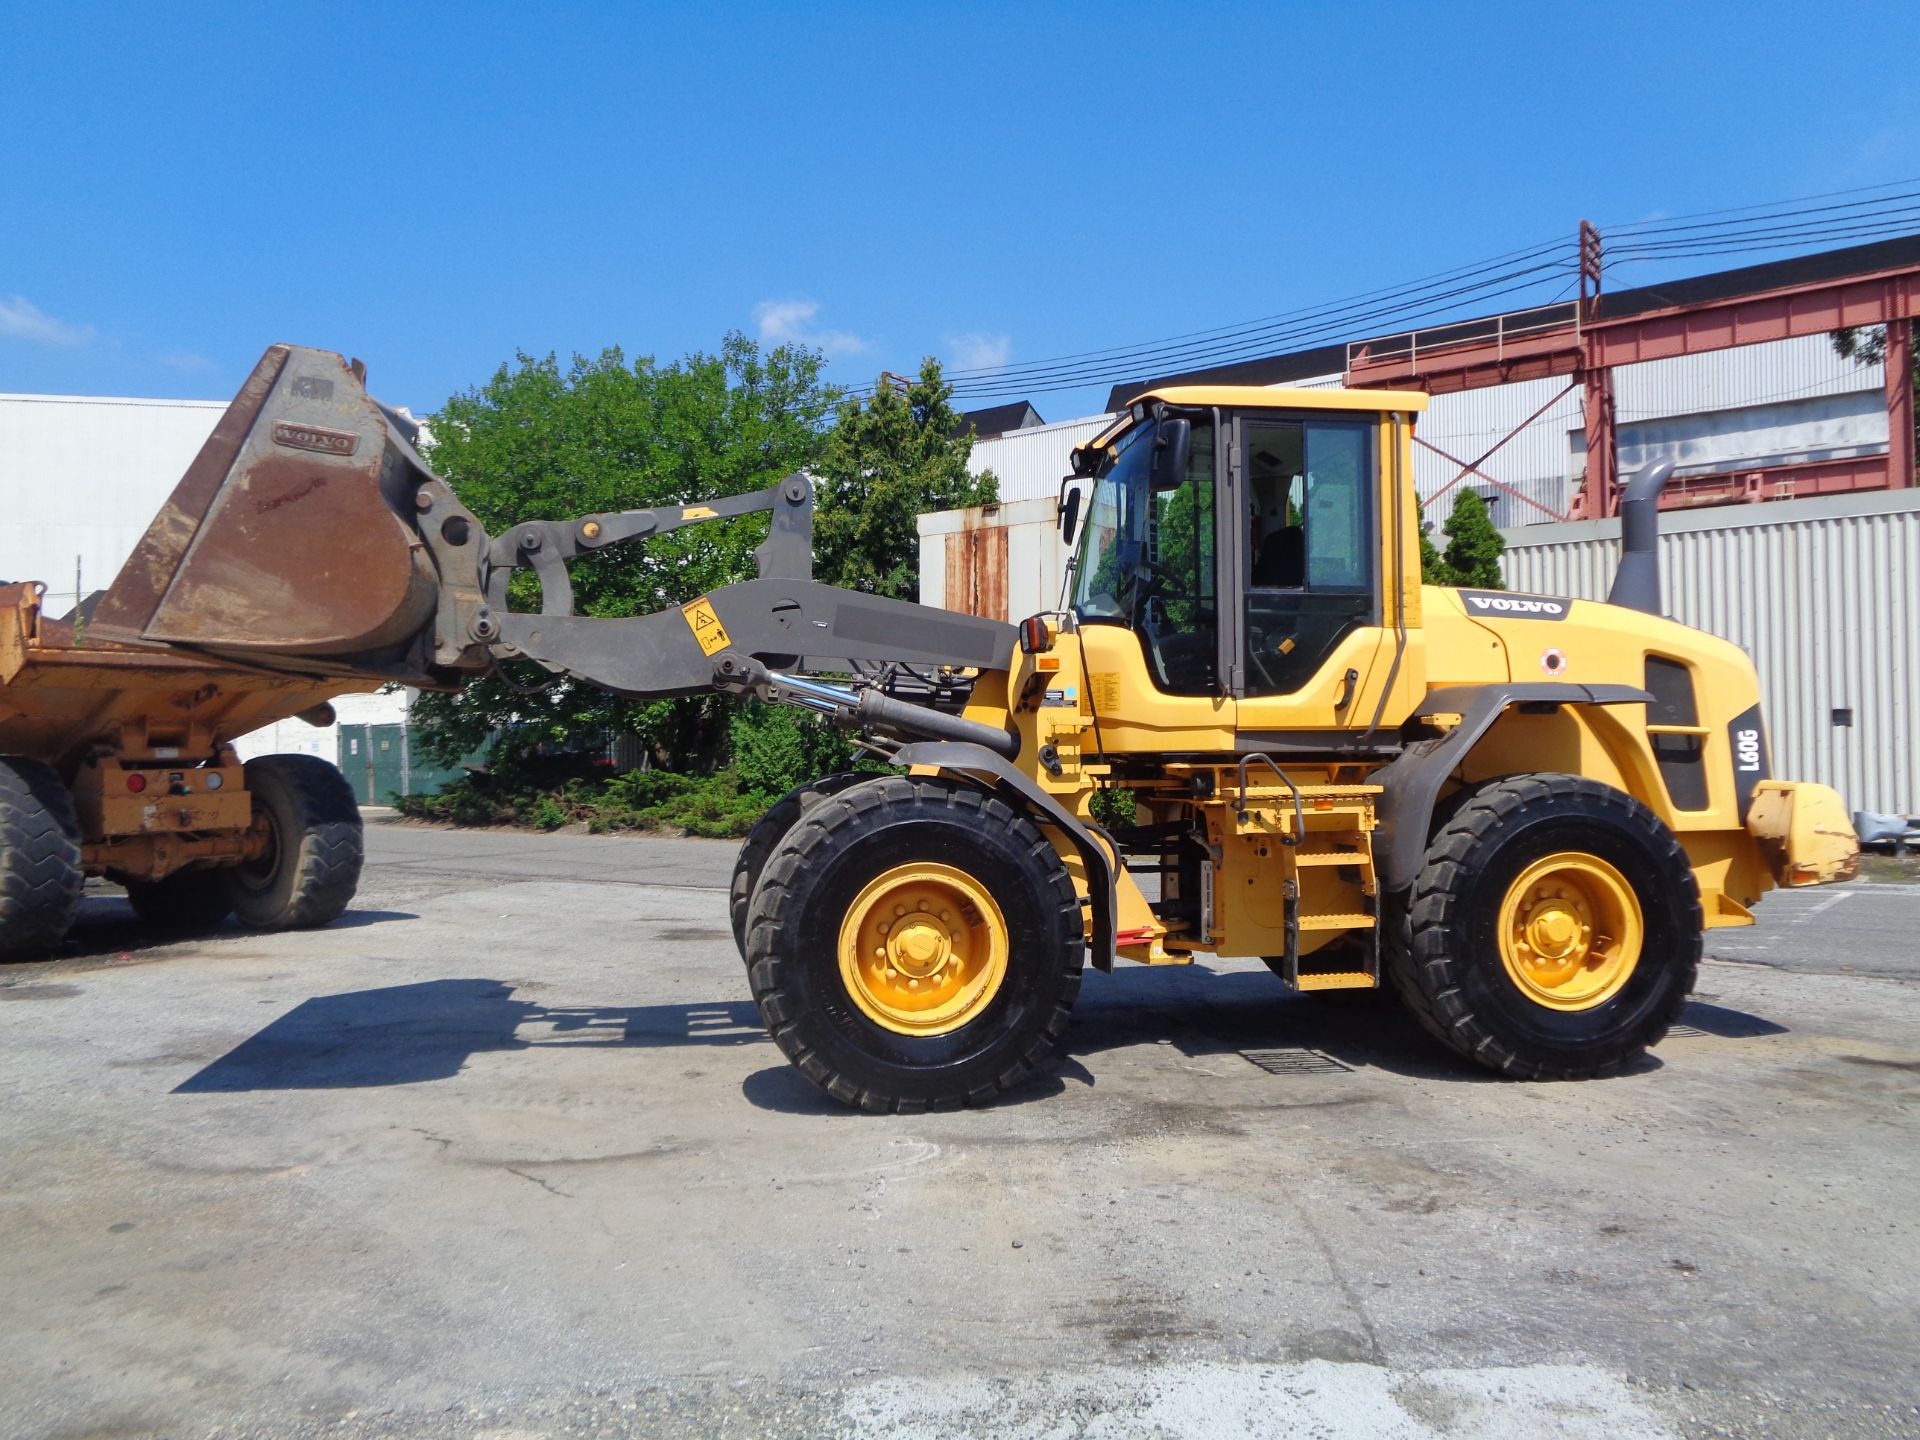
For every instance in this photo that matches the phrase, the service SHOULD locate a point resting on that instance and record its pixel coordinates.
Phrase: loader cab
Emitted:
(1261, 547)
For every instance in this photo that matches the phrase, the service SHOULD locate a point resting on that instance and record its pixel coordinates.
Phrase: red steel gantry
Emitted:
(1876, 284)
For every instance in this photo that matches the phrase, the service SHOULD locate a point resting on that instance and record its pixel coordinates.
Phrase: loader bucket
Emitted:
(289, 540)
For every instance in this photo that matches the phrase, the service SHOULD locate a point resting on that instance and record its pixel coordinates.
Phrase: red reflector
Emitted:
(136, 782)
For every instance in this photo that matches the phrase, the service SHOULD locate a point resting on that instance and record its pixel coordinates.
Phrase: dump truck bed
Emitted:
(63, 691)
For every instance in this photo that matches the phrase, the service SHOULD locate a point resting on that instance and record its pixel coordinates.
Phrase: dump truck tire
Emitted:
(311, 865)
(40, 874)
(190, 902)
(915, 944)
(765, 837)
(1554, 931)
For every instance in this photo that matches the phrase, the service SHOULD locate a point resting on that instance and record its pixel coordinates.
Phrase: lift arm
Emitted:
(311, 536)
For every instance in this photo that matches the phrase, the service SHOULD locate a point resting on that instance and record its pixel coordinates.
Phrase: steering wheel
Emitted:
(1258, 649)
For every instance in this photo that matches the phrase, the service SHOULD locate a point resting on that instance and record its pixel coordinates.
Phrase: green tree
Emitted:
(1474, 548)
(1433, 569)
(888, 460)
(1862, 344)
(541, 442)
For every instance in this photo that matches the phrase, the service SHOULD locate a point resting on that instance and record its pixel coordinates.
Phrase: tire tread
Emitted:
(1421, 958)
(41, 879)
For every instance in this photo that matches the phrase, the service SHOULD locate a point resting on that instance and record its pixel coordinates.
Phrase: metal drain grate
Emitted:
(1685, 1032)
(1295, 1062)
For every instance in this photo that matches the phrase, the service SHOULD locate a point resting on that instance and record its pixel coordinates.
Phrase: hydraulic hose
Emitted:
(869, 709)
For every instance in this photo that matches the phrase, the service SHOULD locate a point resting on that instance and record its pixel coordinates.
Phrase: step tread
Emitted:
(1336, 920)
(1337, 980)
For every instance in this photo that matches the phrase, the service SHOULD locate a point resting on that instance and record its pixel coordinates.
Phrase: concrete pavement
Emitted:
(506, 1153)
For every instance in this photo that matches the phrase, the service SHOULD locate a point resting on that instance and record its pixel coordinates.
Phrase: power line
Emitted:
(1797, 223)
(1461, 272)
(1634, 226)
(1327, 322)
(1148, 353)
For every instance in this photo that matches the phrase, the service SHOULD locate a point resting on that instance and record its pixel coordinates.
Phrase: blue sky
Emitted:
(434, 188)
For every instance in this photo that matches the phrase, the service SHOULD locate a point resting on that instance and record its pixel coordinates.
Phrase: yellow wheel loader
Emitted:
(1520, 812)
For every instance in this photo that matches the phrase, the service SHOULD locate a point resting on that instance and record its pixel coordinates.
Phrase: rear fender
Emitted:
(1411, 784)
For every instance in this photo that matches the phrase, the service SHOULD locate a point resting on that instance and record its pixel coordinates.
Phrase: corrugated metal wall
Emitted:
(1820, 592)
(1029, 463)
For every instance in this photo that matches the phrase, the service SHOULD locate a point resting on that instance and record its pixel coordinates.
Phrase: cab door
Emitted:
(1321, 647)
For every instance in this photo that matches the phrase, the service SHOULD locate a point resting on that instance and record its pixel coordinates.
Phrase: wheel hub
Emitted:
(1570, 931)
(918, 947)
(923, 949)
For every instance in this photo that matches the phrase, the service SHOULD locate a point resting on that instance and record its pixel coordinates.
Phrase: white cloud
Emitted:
(790, 322)
(24, 320)
(187, 362)
(975, 351)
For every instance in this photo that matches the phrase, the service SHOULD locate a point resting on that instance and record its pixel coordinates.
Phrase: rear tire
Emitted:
(190, 902)
(40, 874)
(765, 837)
(1015, 919)
(311, 864)
(1583, 860)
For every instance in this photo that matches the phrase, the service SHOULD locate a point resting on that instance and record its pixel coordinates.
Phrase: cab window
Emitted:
(1309, 566)
(1180, 609)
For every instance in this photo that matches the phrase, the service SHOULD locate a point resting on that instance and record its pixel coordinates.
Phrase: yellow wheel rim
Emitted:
(923, 949)
(1571, 931)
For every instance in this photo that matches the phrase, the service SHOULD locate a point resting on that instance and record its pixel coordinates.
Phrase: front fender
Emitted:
(982, 766)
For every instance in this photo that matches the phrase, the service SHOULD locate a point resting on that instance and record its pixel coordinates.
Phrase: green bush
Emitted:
(776, 748)
(716, 806)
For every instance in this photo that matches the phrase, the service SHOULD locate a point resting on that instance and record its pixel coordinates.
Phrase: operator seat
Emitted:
(1282, 561)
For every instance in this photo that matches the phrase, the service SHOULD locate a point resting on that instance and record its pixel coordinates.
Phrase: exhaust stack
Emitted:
(1636, 584)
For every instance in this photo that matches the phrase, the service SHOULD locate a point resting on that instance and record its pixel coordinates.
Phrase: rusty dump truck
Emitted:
(1519, 813)
(118, 761)
(117, 726)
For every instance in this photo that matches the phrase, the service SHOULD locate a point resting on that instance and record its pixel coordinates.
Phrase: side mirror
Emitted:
(1069, 510)
(1171, 448)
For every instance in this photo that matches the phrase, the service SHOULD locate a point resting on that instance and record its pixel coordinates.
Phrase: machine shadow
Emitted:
(407, 1034)
(1201, 1011)
(1728, 1024)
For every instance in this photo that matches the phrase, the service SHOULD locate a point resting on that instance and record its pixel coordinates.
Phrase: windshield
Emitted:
(1113, 541)
(1146, 557)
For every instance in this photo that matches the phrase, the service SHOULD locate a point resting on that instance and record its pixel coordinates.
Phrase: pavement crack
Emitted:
(546, 1185)
(441, 1140)
(1347, 1289)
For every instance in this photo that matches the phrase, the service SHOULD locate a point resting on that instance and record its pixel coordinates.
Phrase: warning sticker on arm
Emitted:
(707, 630)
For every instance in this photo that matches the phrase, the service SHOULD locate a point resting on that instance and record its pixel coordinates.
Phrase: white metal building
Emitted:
(80, 478)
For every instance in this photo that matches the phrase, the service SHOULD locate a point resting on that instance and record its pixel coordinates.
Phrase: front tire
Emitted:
(765, 837)
(40, 875)
(1554, 932)
(309, 863)
(915, 944)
